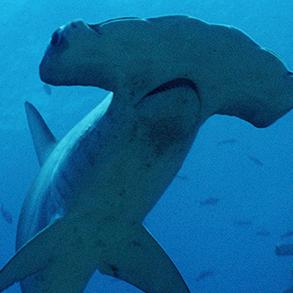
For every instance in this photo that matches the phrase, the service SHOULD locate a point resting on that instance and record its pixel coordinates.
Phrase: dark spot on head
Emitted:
(121, 192)
(100, 243)
(133, 132)
(50, 259)
(91, 159)
(77, 242)
(148, 165)
(40, 278)
(73, 25)
(109, 219)
(204, 274)
(290, 73)
(132, 223)
(115, 270)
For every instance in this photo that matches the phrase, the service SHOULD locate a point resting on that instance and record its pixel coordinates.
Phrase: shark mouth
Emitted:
(178, 82)
(174, 83)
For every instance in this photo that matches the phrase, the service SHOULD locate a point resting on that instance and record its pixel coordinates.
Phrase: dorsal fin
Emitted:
(43, 139)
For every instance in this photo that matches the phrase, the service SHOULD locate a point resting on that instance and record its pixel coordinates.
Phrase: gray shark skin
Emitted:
(168, 75)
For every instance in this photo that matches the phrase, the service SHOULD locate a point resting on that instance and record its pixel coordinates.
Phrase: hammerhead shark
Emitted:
(167, 76)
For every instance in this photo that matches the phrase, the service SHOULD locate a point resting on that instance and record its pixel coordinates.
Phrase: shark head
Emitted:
(120, 55)
(111, 55)
(234, 76)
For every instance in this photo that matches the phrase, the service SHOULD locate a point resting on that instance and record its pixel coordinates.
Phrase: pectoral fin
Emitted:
(55, 261)
(31, 258)
(139, 260)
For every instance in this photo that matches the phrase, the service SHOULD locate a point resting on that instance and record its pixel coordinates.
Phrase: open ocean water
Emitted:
(232, 201)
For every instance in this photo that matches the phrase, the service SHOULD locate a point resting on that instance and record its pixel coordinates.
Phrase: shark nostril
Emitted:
(73, 25)
(56, 38)
(96, 28)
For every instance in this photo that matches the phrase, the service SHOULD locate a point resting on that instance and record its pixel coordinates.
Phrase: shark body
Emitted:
(97, 185)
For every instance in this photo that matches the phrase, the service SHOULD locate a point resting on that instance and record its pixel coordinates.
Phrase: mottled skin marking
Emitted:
(148, 165)
(122, 193)
(100, 243)
(164, 133)
(40, 277)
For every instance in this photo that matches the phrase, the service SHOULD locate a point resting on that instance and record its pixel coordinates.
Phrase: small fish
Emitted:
(289, 290)
(242, 223)
(284, 249)
(182, 177)
(204, 275)
(47, 89)
(6, 215)
(227, 141)
(288, 234)
(210, 201)
(263, 233)
(256, 161)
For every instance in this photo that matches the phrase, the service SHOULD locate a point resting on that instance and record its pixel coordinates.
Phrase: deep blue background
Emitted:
(198, 238)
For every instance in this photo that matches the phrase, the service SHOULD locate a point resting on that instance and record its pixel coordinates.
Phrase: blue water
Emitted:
(250, 175)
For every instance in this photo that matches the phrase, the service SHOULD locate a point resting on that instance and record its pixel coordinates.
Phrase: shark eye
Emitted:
(56, 38)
